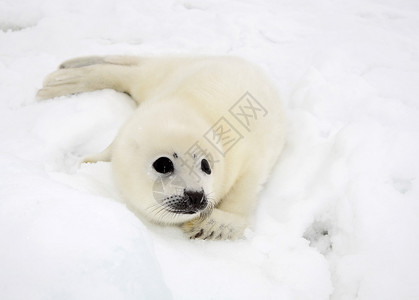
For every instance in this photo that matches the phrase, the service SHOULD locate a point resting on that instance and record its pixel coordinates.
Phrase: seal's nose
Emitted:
(196, 199)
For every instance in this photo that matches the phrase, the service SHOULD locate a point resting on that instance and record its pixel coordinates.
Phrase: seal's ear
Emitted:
(105, 155)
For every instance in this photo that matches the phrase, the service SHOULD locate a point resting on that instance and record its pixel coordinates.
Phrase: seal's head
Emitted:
(170, 188)
(164, 166)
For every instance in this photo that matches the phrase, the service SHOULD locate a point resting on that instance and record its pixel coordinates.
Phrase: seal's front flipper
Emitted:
(220, 225)
(105, 155)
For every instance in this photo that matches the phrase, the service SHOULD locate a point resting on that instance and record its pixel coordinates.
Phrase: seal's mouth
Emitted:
(185, 204)
(182, 212)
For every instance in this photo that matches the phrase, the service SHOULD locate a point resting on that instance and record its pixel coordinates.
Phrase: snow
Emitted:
(339, 218)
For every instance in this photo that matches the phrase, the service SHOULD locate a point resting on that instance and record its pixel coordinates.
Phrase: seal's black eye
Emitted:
(163, 165)
(205, 166)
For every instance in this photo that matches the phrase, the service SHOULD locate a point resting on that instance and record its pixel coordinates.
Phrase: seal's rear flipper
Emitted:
(66, 81)
(105, 155)
(79, 62)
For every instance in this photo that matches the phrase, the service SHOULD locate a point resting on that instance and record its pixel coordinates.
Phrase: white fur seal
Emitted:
(201, 143)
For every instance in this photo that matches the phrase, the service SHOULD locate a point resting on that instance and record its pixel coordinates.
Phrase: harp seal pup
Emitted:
(200, 145)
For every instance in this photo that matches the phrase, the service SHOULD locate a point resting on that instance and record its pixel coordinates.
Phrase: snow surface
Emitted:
(339, 218)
